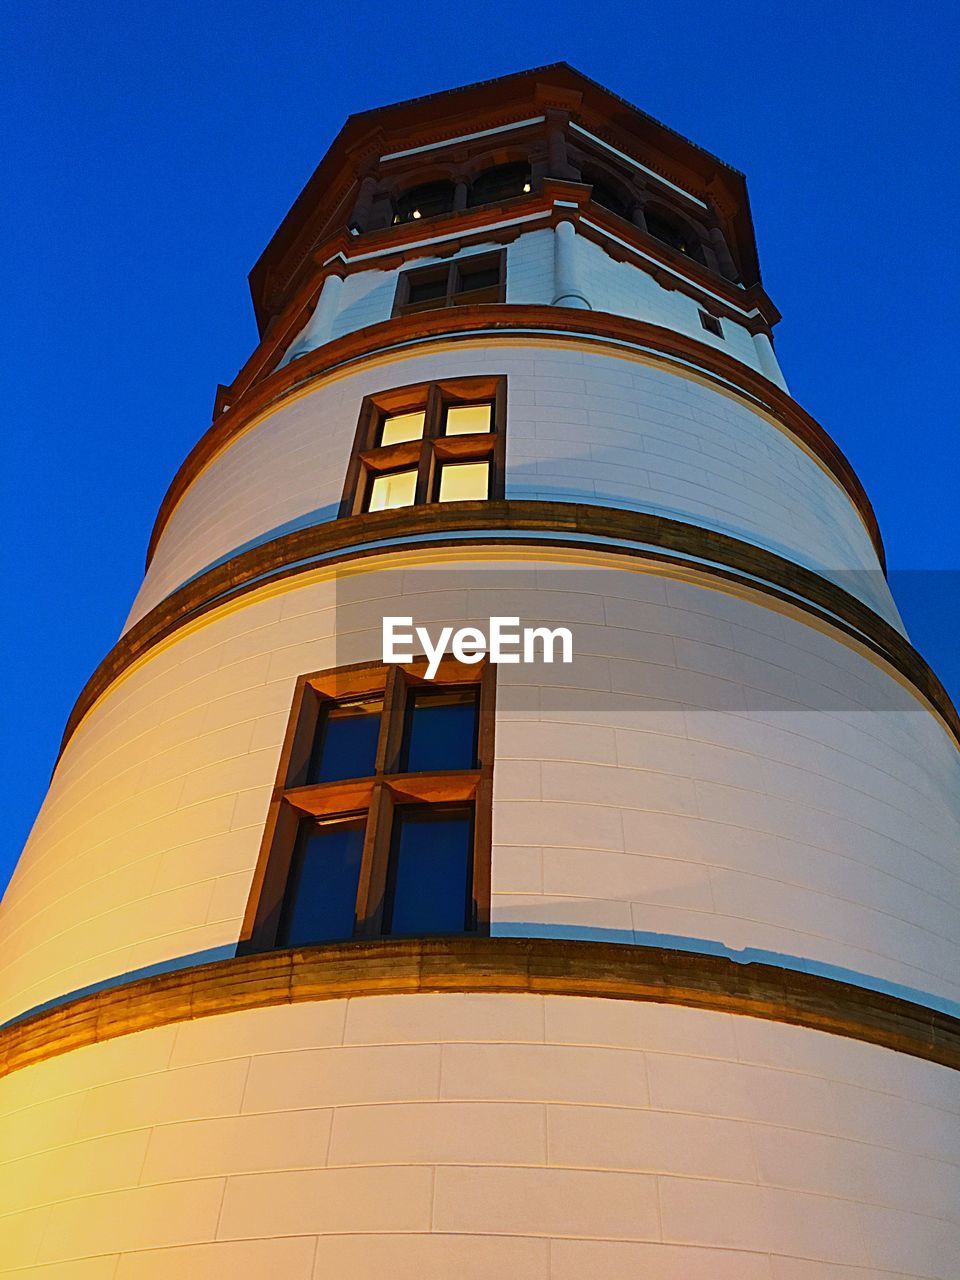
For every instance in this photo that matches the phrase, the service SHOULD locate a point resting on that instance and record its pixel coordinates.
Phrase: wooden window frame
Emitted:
(376, 797)
(369, 459)
(402, 306)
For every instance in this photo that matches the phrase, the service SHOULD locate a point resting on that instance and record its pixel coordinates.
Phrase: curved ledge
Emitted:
(541, 966)
(548, 324)
(580, 525)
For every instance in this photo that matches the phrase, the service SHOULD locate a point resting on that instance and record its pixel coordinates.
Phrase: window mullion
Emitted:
(373, 866)
(394, 710)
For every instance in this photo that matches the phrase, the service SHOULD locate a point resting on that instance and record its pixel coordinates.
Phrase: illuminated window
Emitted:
(475, 278)
(463, 481)
(468, 419)
(392, 489)
(433, 442)
(398, 843)
(397, 427)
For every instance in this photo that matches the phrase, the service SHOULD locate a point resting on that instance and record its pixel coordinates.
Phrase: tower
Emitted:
(318, 963)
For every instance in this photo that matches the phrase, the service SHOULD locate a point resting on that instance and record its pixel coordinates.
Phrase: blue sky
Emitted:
(151, 151)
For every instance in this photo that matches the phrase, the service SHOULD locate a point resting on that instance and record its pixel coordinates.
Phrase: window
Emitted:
(501, 183)
(434, 442)
(479, 277)
(381, 820)
(711, 323)
(425, 201)
(608, 198)
(668, 232)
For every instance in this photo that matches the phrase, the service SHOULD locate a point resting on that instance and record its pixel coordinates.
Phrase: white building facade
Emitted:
(645, 964)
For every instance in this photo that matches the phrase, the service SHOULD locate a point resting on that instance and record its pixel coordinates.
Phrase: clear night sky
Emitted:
(151, 150)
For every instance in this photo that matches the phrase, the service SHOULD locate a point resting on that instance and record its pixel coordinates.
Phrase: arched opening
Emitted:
(425, 201)
(671, 231)
(502, 182)
(611, 199)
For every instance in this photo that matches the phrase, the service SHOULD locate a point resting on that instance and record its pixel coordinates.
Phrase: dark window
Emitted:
(427, 286)
(673, 234)
(346, 742)
(440, 730)
(425, 201)
(322, 890)
(501, 183)
(711, 323)
(398, 842)
(429, 881)
(433, 442)
(609, 198)
(479, 280)
(476, 278)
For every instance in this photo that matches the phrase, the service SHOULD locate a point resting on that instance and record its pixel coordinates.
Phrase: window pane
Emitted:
(395, 489)
(460, 481)
(322, 890)
(478, 278)
(468, 419)
(425, 201)
(428, 288)
(440, 731)
(500, 183)
(346, 742)
(402, 426)
(431, 867)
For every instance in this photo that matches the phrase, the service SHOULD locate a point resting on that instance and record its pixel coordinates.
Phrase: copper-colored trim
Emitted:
(542, 966)
(730, 558)
(550, 324)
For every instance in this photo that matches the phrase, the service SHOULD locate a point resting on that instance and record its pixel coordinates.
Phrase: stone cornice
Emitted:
(604, 530)
(541, 966)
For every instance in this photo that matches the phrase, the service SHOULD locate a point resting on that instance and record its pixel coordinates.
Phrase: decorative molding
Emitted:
(542, 966)
(516, 523)
(543, 324)
(391, 247)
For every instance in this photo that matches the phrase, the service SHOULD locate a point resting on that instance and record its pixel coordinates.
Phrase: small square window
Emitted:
(320, 903)
(477, 278)
(479, 282)
(345, 745)
(399, 427)
(468, 419)
(427, 286)
(431, 871)
(711, 324)
(393, 489)
(426, 443)
(463, 481)
(440, 730)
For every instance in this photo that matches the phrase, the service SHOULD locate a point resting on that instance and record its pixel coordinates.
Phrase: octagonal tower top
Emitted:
(499, 141)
